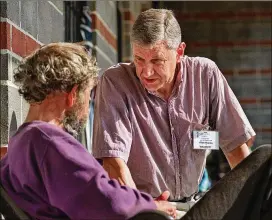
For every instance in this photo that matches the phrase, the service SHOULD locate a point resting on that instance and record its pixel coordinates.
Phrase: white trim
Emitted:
(8, 83)
(55, 7)
(104, 39)
(20, 29)
(104, 23)
(112, 4)
(37, 20)
(20, 13)
(87, 133)
(103, 55)
(21, 108)
(10, 36)
(13, 55)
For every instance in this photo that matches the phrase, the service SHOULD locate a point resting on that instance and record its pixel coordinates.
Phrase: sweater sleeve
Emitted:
(77, 184)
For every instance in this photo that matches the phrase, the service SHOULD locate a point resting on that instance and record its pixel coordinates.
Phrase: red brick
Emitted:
(248, 101)
(263, 130)
(267, 43)
(22, 44)
(265, 100)
(247, 72)
(94, 20)
(223, 15)
(254, 71)
(228, 72)
(254, 100)
(97, 24)
(128, 16)
(18, 42)
(266, 71)
(5, 35)
(31, 45)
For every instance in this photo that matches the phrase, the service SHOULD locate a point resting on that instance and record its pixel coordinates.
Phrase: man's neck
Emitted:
(44, 112)
(165, 93)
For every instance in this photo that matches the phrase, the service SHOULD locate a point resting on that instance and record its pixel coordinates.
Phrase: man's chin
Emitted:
(152, 89)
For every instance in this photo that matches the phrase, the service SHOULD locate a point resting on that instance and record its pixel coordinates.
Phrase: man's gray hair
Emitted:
(156, 25)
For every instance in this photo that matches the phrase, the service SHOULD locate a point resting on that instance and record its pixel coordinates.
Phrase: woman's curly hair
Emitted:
(54, 67)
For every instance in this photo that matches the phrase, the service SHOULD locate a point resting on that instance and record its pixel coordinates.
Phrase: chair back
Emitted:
(151, 215)
(8, 209)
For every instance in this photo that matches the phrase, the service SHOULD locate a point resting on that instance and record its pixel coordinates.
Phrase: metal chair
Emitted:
(8, 209)
(151, 215)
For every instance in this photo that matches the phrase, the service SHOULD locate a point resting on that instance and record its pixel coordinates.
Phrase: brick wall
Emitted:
(237, 36)
(24, 26)
(105, 29)
(104, 32)
(129, 11)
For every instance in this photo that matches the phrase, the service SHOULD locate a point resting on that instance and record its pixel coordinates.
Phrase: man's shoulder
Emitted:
(44, 127)
(119, 71)
(202, 62)
(35, 138)
(121, 77)
(39, 131)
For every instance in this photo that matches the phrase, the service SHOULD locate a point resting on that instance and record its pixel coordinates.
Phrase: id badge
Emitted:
(206, 140)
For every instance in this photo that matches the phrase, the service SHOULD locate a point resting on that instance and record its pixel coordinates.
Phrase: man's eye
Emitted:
(139, 59)
(158, 61)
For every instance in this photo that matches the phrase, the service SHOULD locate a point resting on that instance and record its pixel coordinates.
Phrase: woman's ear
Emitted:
(72, 95)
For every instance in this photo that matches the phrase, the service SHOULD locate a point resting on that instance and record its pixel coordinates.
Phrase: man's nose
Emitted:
(148, 70)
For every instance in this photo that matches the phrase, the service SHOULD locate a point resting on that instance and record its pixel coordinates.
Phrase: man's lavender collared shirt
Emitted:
(154, 136)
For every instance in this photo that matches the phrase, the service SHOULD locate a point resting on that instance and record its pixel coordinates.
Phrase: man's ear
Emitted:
(72, 95)
(180, 51)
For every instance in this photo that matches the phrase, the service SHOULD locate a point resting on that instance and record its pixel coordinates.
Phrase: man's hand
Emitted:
(163, 205)
(117, 169)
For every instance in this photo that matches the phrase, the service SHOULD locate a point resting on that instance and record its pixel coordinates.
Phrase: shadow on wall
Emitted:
(13, 125)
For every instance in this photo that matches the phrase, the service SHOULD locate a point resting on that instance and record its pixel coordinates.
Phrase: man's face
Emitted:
(155, 65)
(75, 118)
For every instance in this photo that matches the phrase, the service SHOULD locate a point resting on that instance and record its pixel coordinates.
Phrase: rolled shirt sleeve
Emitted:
(226, 113)
(112, 128)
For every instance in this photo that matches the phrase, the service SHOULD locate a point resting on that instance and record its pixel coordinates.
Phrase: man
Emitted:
(46, 171)
(149, 113)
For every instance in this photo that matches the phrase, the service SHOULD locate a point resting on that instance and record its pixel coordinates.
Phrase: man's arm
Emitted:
(91, 193)
(80, 187)
(228, 117)
(237, 155)
(118, 169)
